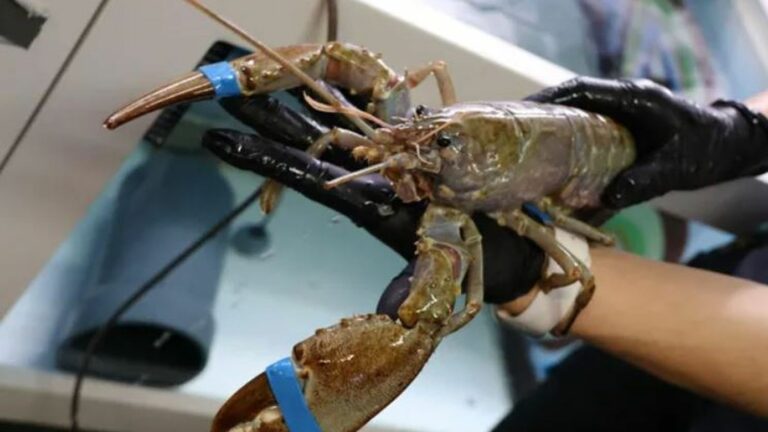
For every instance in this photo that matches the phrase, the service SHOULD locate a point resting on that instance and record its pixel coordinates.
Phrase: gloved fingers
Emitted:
(396, 292)
(636, 104)
(273, 119)
(511, 264)
(368, 201)
(277, 121)
(584, 92)
(647, 179)
(605, 96)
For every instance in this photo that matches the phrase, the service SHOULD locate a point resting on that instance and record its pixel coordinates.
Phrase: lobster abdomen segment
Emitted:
(508, 153)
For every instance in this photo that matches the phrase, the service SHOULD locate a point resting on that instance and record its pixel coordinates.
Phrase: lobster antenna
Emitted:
(359, 173)
(274, 55)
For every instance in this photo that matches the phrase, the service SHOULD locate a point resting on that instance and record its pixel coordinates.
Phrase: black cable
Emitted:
(74, 407)
(52, 86)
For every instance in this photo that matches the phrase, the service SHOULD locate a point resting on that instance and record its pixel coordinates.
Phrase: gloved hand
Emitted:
(681, 145)
(512, 264)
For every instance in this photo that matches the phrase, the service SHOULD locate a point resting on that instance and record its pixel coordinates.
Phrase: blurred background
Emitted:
(87, 216)
(703, 50)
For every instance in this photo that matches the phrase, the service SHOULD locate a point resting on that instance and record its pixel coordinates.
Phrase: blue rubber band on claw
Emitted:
(285, 386)
(223, 78)
(534, 211)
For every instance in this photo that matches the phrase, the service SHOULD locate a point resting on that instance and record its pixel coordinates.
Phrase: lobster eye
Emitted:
(444, 140)
(420, 110)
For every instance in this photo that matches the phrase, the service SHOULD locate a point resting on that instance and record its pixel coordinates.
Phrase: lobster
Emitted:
(496, 158)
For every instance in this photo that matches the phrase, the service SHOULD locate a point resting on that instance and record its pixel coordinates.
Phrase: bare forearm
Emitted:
(758, 103)
(701, 330)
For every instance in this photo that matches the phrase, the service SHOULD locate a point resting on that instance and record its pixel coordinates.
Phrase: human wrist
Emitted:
(758, 103)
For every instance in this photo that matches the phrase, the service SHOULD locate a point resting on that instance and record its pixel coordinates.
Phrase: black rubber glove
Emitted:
(512, 264)
(681, 145)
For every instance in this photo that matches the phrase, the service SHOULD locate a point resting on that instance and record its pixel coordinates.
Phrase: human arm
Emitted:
(758, 103)
(701, 330)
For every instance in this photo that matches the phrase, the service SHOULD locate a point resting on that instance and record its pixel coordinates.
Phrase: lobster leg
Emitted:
(569, 223)
(527, 227)
(474, 281)
(449, 252)
(444, 83)
(573, 268)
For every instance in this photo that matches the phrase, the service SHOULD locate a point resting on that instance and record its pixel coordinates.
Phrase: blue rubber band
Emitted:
(537, 213)
(223, 78)
(285, 386)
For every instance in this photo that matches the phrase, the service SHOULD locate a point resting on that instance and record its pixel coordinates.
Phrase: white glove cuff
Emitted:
(548, 309)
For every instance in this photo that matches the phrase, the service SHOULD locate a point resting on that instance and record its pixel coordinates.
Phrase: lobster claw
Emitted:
(346, 374)
(253, 403)
(189, 88)
(245, 76)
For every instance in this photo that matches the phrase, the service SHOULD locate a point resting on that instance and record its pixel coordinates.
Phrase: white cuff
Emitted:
(548, 310)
